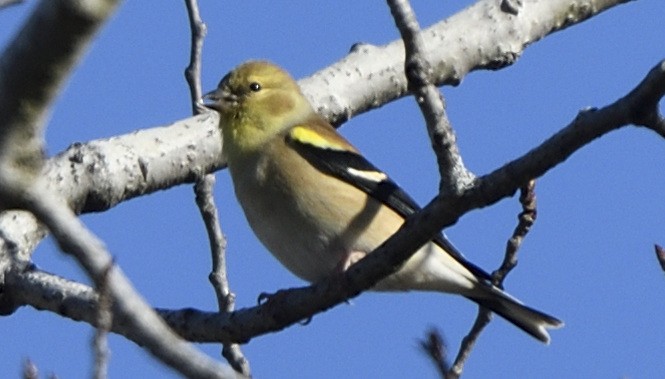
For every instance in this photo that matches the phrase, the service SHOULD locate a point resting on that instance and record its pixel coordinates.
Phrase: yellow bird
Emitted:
(319, 206)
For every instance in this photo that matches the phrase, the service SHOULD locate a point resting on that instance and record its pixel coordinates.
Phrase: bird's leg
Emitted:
(348, 260)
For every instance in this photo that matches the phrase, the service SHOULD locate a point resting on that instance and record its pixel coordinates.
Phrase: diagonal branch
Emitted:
(33, 69)
(289, 306)
(104, 323)
(143, 323)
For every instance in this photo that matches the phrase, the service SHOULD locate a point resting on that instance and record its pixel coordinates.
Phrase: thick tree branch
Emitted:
(481, 37)
(95, 176)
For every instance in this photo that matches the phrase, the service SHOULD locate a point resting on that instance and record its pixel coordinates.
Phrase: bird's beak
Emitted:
(219, 99)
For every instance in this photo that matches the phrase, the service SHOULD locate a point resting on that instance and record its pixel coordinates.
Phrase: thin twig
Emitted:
(193, 71)
(454, 176)
(206, 203)
(30, 370)
(104, 324)
(468, 342)
(435, 348)
(205, 200)
(660, 255)
(526, 218)
(218, 278)
(644, 101)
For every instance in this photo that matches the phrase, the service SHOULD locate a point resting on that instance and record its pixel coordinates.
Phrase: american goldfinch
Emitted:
(319, 206)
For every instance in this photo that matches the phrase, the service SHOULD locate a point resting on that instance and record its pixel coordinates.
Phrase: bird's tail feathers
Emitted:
(528, 319)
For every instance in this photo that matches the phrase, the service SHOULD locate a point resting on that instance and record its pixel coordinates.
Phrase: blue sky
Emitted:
(589, 259)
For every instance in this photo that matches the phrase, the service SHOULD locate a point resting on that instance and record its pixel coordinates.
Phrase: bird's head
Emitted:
(257, 100)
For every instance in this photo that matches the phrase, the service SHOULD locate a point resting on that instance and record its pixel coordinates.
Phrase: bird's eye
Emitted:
(255, 87)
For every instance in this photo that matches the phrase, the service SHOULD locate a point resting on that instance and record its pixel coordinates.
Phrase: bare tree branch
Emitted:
(104, 324)
(290, 306)
(481, 37)
(468, 342)
(198, 31)
(30, 370)
(7, 3)
(205, 200)
(526, 219)
(218, 277)
(435, 348)
(454, 176)
(660, 255)
(96, 176)
(33, 68)
(144, 324)
(56, 35)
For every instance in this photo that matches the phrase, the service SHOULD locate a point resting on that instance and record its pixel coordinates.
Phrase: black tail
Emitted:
(528, 319)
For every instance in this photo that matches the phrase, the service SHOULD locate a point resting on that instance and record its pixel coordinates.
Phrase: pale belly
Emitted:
(310, 235)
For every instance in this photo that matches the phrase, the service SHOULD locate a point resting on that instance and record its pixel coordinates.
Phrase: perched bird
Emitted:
(319, 206)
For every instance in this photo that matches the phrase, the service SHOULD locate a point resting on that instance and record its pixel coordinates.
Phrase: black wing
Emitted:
(354, 169)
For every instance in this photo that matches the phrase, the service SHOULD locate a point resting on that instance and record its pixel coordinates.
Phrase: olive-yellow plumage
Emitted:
(319, 206)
